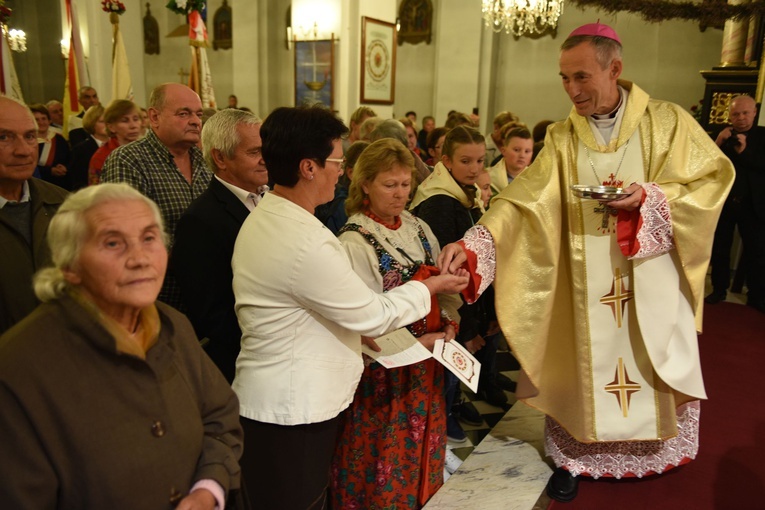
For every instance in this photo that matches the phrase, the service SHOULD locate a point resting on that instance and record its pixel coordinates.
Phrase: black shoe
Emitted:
(454, 432)
(467, 414)
(562, 486)
(493, 395)
(505, 383)
(716, 297)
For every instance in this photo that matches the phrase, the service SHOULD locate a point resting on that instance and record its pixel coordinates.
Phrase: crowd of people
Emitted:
(186, 296)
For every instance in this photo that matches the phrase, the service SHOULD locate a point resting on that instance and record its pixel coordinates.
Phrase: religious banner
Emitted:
(200, 79)
(378, 61)
(122, 87)
(9, 81)
(76, 72)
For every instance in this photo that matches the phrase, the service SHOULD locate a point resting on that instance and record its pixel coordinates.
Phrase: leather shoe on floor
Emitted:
(505, 383)
(494, 396)
(467, 414)
(562, 486)
(715, 297)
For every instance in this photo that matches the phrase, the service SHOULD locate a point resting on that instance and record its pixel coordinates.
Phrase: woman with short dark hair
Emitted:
(303, 310)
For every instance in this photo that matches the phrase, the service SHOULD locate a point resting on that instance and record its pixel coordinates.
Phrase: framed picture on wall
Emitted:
(314, 72)
(378, 61)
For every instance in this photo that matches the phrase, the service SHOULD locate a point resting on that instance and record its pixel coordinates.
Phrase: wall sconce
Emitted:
(315, 19)
(17, 40)
(65, 48)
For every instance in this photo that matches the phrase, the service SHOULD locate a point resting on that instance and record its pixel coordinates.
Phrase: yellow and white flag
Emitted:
(122, 86)
(76, 72)
(9, 81)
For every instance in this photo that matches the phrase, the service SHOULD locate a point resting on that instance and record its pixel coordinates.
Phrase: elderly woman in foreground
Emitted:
(302, 310)
(107, 398)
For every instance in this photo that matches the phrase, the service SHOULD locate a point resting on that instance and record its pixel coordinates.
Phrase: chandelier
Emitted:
(521, 16)
(17, 39)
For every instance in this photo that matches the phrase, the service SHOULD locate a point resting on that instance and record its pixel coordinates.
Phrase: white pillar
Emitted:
(458, 51)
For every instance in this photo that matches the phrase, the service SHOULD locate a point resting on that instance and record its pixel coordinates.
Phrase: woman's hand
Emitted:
(428, 340)
(475, 344)
(370, 342)
(451, 258)
(631, 201)
(450, 333)
(200, 499)
(493, 328)
(447, 283)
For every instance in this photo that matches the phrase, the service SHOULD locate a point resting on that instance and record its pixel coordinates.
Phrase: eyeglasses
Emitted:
(339, 161)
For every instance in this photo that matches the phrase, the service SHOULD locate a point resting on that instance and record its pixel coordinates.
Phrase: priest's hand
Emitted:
(631, 201)
(451, 258)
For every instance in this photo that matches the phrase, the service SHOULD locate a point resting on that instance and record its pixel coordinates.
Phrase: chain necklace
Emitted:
(592, 165)
(604, 208)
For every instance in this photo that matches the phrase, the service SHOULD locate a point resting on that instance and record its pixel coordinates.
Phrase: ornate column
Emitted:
(734, 40)
(737, 72)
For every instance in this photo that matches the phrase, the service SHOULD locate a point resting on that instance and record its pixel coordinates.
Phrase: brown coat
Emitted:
(84, 427)
(19, 261)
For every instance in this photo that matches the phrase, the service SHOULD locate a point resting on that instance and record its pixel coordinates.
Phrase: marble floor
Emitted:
(504, 463)
(507, 470)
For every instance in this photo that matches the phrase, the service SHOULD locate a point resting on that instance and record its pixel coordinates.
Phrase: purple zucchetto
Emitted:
(596, 30)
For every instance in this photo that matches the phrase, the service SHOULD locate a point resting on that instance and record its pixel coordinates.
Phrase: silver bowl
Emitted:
(598, 192)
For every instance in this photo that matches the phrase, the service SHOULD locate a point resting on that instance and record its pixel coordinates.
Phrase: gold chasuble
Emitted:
(608, 344)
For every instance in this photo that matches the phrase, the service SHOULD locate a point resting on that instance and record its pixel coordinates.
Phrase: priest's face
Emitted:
(591, 87)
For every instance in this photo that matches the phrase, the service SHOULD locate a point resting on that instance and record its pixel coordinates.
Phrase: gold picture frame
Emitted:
(378, 61)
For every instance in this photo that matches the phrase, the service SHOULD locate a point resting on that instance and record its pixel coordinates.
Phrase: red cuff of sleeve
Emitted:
(470, 293)
(628, 224)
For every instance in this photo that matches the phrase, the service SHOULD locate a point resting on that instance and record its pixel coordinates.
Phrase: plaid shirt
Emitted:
(149, 167)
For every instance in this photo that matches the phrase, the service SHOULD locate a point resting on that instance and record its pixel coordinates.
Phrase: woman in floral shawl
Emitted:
(392, 444)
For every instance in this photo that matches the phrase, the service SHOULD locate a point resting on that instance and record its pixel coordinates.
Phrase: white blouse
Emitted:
(302, 309)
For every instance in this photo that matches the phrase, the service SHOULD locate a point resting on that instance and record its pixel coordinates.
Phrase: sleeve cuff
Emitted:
(214, 488)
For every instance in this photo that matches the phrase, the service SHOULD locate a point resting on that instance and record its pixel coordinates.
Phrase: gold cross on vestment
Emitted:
(618, 297)
(622, 388)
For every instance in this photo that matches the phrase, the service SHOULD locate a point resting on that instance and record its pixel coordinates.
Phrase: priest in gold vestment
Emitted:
(601, 301)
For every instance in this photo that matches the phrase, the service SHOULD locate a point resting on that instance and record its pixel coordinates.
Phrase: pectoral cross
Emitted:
(607, 212)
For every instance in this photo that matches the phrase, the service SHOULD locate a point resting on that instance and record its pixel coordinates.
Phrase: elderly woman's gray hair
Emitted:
(368, 126)
(390, 128)
(220, 132)
(68, 231)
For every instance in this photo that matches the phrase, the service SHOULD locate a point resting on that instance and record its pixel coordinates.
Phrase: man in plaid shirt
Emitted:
(166, 165)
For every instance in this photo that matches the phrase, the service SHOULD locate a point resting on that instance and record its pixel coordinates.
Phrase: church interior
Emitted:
(443, 55)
